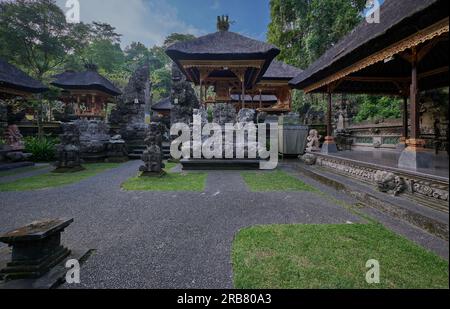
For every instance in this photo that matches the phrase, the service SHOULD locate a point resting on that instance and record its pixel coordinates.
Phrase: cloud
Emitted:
(146, 21)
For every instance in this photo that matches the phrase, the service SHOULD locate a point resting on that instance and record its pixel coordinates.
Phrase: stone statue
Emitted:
(246, 115)
(309, 159)
(313, 139)
(389, 183)
(153, 156)
(14, 138)
(224, 113)
(69, 154)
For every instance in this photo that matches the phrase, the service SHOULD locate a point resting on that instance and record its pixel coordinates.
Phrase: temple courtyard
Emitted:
(240, 229)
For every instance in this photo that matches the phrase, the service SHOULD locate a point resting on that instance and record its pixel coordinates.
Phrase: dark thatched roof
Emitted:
(86, 80)
(255, 99)
(223, 45)
(163, 105)
(281, 70)
(13, 78)
(399, 19)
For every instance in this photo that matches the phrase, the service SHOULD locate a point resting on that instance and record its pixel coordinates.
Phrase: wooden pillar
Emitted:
(201, 91)
(414, 99)
(260, 98)
(415, 156)
(405, 118)
(243, 90)
(329, 147)
(329, 112)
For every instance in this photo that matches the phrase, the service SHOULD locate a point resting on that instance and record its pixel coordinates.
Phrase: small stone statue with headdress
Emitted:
(313, 141)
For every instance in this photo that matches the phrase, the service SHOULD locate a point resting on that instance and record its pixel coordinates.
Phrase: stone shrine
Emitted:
(94, 138)
(69, 151)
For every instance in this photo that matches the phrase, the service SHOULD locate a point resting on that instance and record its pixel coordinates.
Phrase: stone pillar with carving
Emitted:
(153, 155)
(183, 98)
(130, 112)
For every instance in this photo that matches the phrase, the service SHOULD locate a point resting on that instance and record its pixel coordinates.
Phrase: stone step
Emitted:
(232, 164)
(431, 220)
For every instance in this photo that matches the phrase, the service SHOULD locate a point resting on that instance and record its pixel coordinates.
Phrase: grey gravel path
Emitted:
(166, 239)
(40, 169)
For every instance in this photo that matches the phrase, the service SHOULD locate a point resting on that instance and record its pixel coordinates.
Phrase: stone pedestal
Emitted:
(415, 156)
(36, 249)
(329, 147)
(116, 150)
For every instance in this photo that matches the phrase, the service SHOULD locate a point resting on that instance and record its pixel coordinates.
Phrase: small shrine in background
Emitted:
(87, 93)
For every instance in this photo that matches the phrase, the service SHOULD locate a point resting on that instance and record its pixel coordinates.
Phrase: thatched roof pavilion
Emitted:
(88, 92)
(14, 81)
(407, 51)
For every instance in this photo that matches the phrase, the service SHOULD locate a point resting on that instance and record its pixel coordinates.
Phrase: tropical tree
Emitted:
(35, 35)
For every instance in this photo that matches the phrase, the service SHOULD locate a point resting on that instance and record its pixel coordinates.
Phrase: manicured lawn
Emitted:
(51, 180)
(170, 182)
(274, 181)
(331, 256)
(21, 170)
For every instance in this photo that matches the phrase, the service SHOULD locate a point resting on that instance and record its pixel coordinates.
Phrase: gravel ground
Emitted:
(162, 239)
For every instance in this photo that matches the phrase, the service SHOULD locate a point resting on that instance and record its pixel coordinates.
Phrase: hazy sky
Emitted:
(150, 21)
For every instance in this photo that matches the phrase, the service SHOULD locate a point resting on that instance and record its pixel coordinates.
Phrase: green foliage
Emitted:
(305, 29)
(177, 37)
(35, 35)
(376, 108)
(42, 148)
(162, 81)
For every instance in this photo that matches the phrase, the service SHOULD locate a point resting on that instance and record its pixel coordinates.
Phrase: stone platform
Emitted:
(428, 187)
(219, 165)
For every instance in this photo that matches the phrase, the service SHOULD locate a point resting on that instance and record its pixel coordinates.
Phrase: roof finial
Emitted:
(223, 23)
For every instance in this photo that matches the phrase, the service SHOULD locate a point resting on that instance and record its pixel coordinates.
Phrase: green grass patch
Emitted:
(330, 257)
(21, 170)
(51, 180)
(274, 181)
(177, 182)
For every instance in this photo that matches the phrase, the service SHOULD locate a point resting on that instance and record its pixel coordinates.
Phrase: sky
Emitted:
(150, 21)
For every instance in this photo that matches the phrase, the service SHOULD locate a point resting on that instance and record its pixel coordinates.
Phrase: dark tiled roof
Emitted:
(86, 80)
(281, 70)
(163, 105)
(222, 45)
(12, 77)
(399, 19)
